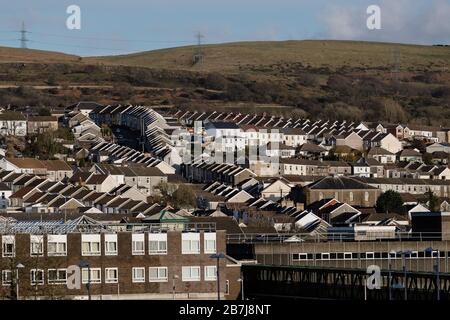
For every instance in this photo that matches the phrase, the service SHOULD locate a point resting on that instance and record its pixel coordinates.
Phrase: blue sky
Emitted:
(115, 27)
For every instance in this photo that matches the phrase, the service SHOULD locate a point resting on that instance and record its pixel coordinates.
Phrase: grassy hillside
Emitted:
(315, 54)
(30, 55)
(319, 79)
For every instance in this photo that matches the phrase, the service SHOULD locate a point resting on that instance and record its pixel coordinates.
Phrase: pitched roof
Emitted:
(28, 163)
(42, 118)
(379, 151)
(339, 183)
(11, 115)
(311, 147)
(224, 125)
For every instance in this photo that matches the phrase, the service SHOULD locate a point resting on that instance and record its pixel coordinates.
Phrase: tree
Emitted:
(390, 201)
(433, 201)
(43, 146)
(175, 195)
(427, 158)
(44, 112)
(184, 197)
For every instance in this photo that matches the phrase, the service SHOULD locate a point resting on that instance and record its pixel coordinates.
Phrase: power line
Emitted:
(74, 46)
(109, 39)
(94, 38)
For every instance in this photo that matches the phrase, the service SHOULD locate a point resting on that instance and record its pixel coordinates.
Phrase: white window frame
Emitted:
(39, 240)
(33, 280)
(135, 239)
(302, 257)
(133, 274)
(160, 239)
(59, 241)
(210, 242)
(372, 254)
(93, 281)
(209, 277)
(8, 240)
(346, 254)
(325, 254)
(4, 282)
(111, 238)
(187, 241)
(90, 240)
(111, 280)
(58, 280)
(159, 271)
(189, 270)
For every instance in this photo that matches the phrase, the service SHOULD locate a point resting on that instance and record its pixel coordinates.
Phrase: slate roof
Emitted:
(339, 183)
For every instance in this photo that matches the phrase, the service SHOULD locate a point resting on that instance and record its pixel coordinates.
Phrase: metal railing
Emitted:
(37, 228)
(249, 238)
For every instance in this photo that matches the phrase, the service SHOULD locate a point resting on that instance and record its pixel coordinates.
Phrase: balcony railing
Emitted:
(249, 238)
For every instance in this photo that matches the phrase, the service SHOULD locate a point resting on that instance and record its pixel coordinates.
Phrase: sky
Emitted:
(124, 26)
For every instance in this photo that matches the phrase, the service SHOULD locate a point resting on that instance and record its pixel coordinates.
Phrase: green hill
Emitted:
(331, 54)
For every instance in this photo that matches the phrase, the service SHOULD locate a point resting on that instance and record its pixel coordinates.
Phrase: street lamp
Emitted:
(218, 256)
(84, 264)
(241, 280)
(392, 252)
(18, 266)
(173, 285)
(404, 254)
(436, 269)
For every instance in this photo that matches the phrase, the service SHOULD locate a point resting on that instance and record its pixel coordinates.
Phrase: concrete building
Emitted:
(125, 262)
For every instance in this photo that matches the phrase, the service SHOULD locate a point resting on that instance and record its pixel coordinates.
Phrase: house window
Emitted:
(210, 242)
(190, 273)
(6, 277)
(347, 256)
(110, 244)
(57, 245)
(157, 274)
(138, 275)
(96, 275)
(157, 243)
(111, 275)
(210, 273)
(8, 246)
(138, 246)
(37, 277)
(90, 245)
(370, 255)
(227, 287)
(36, 245)
(300, 257)
(325, 256)
(57, 276)
(190, 243)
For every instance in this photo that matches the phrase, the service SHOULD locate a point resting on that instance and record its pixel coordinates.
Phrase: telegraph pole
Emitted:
(23, 36)
(198, 55)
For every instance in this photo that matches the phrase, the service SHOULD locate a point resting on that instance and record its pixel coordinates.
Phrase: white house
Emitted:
(227, 136)
(279, 150)
(5, 193)
(13, 124)
(276, 190)
(294, 137)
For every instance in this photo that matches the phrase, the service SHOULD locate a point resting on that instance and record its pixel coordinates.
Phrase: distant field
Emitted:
(332, 54)
(30, 55)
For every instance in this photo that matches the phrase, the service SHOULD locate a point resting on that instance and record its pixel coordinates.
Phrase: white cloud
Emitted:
(402, 21)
